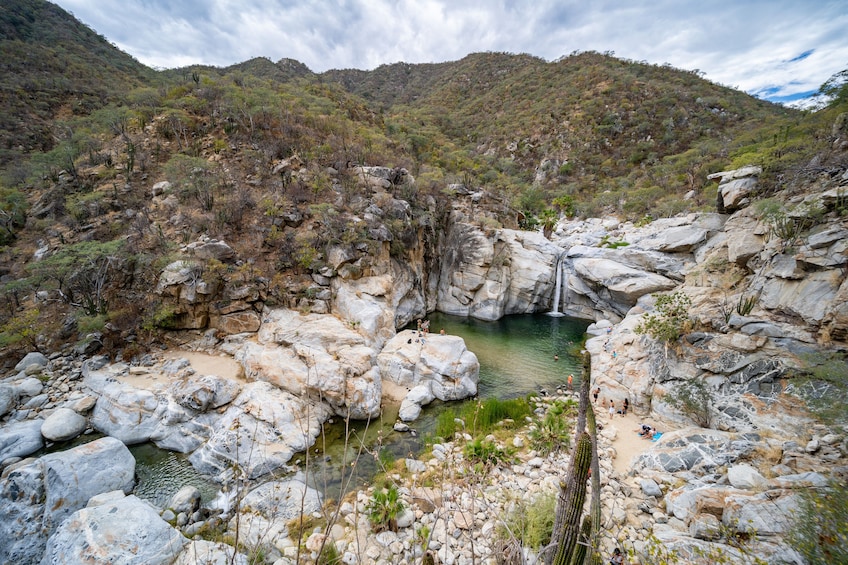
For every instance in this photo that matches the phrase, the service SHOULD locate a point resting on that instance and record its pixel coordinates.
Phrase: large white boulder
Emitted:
(127, 530)
(260, 431)
(35, 498)
(316, 355)
(427, 367)
(62, 425)
(19, 439)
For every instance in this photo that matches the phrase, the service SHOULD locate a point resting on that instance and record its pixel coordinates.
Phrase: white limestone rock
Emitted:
(127, 530)
(62, 425)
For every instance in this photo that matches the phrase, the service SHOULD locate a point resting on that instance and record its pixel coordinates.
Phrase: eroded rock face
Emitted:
(260, 431)
(36, 497)
(490, 276)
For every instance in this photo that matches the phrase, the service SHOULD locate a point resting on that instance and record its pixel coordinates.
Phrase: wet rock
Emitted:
(186, 500)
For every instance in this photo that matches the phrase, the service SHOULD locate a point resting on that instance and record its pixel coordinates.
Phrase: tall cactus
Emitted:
(572, 495)
(592, 556)
(580, 550)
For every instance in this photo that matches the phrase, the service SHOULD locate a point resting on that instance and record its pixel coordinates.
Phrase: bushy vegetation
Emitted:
(384, 508)
(531, 522)
(670, 318)
(553, 432)
(822, 381)
(693, 399)
(820, 528)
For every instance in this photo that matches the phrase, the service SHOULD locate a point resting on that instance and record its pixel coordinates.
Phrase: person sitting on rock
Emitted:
(617, 557)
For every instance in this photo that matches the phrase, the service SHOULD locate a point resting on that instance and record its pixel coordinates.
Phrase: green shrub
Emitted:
(693, 399)
(531, 523)
(486, 453)
(820, 531)
(670, 318)
(89, 324)
(553, 432)
(384, 508)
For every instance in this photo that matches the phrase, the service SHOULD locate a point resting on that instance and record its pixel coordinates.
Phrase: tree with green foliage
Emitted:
(194, 178)
(670, 318)
(21, 330)
(84, 273)
(13, 206)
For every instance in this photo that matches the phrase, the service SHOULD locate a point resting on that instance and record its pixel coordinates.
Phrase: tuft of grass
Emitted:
(531, 522)
(554, 431)
(481, 417)
(486, 452)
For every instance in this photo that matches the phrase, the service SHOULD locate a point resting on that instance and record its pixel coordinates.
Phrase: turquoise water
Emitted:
(516, 353)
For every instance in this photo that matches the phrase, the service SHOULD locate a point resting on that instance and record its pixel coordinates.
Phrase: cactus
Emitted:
(580, 550)
(572, 495)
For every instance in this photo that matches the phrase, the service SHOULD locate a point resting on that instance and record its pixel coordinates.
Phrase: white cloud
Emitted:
(750, 45)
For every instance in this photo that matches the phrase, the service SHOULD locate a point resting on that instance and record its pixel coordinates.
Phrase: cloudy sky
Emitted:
(781, 50)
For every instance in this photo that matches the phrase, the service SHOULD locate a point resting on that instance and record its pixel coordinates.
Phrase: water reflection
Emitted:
(160, 474)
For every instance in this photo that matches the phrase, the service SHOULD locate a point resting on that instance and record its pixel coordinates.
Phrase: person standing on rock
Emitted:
(612, 409)
(595, 394)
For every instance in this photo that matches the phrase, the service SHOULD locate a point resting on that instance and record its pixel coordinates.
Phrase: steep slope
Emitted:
(53, 65)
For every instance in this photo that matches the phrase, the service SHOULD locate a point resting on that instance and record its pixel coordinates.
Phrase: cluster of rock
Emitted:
(690, 494)
(224, 422)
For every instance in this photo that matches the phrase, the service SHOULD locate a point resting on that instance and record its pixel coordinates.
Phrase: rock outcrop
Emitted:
(127, 530)
(315, 356)
(423, 367)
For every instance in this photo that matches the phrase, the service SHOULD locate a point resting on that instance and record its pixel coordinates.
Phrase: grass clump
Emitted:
(384, 508)
(530, 522)
(481, 417)
(554, 431)
(487, 453)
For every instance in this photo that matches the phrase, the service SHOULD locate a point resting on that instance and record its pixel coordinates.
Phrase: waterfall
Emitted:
(560, 267)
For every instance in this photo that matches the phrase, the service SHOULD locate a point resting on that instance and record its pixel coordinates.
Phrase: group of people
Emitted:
(625, 406)
(647, 432)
